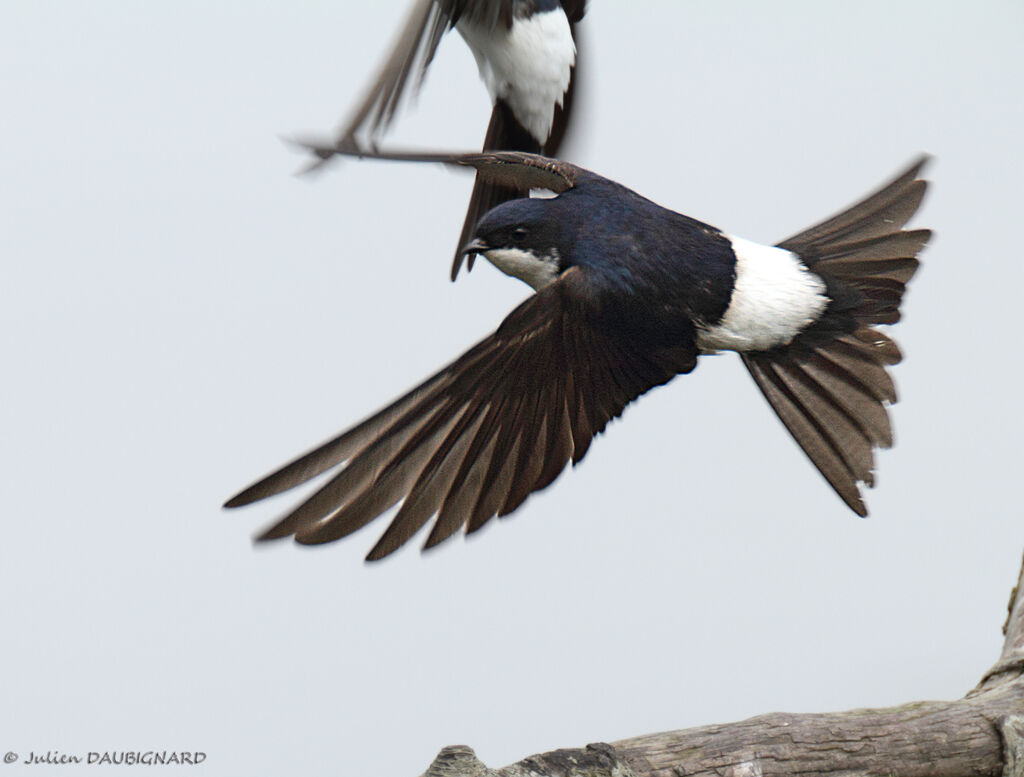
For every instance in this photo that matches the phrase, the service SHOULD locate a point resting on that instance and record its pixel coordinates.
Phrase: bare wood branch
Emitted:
(1011, 660)
(1012, 731)
(981, 734)
(457, 761)
(930, 739)
(596, 760)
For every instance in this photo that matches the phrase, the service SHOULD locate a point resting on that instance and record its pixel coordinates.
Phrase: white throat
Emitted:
(533, 269)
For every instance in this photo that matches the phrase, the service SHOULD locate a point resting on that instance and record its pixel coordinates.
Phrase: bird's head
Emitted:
(529, 239)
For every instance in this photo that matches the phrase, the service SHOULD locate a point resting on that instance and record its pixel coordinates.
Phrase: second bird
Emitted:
(526, 54)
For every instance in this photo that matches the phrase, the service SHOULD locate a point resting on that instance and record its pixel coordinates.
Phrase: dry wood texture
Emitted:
(981, 734)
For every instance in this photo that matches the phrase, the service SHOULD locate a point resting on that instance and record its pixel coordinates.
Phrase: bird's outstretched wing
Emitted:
(514, 169)
(476, 439)
(831, 389)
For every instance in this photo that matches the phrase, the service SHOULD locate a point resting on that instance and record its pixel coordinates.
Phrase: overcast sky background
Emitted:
(179, 314)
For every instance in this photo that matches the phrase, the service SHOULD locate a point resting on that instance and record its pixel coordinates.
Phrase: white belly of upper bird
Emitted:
(774, 298)
(528, 66)
(536, 270)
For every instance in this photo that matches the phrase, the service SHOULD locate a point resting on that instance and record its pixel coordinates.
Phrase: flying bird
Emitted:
(628, 295)
(526, 54)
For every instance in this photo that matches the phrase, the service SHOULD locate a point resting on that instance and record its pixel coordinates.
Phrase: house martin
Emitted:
(526, 54)
(628, 295)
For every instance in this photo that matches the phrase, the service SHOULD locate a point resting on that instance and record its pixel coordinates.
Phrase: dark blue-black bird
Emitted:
(526, 53)
(628, 295)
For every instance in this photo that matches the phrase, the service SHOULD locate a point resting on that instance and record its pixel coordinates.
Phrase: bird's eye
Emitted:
(519, 234)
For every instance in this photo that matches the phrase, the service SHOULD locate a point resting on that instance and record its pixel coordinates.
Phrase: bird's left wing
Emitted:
(514, 169)
(412, 53)
(477, 438)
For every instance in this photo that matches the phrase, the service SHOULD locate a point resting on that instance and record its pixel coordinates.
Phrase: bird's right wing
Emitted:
(476, 439)
(414, 50)
(513, 169)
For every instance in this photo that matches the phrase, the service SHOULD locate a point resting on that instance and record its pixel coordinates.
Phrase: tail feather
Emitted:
(861, 368)
(882, 213)
(504, 133)
(857, 402)
(802, 425)
(831, 388)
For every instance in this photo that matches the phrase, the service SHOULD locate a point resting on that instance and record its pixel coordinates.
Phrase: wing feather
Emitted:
(412, 52)
(476, 439)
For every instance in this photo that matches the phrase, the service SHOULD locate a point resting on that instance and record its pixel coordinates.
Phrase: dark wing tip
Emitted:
(377, 554)
(261, 489)
(239, 500)
(310, 538)
(387, 545)
(271, 534)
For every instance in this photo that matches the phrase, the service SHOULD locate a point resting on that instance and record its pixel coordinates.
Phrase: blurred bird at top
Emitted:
(526, 52)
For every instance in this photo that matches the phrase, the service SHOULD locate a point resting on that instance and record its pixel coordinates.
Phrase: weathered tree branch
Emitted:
(981, 734)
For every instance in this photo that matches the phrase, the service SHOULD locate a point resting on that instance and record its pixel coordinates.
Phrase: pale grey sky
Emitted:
(181, 314)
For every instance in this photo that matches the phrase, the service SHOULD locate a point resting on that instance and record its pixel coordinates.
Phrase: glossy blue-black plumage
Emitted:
(653, 273)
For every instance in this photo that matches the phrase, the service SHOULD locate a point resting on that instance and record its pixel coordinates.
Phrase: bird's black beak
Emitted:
(475, 246)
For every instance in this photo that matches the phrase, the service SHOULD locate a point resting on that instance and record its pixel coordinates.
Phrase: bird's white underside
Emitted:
(528, 66)
(537, 271)
(775, 297)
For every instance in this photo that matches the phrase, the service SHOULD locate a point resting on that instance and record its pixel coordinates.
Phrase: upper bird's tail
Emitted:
(830, 386)
(505, 133)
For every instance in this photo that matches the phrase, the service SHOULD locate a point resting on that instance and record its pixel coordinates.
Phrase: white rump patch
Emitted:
(528, 66)
(774, 299)
(537, 271)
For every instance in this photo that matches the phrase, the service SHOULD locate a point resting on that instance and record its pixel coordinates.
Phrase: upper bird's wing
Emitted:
(478, 437)
(831, 389)
(412, 53)
(414, 50)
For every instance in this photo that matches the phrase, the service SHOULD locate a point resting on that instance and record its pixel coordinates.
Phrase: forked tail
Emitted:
(830, 386)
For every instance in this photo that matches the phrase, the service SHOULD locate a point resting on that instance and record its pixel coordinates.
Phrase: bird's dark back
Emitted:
(658, 270)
